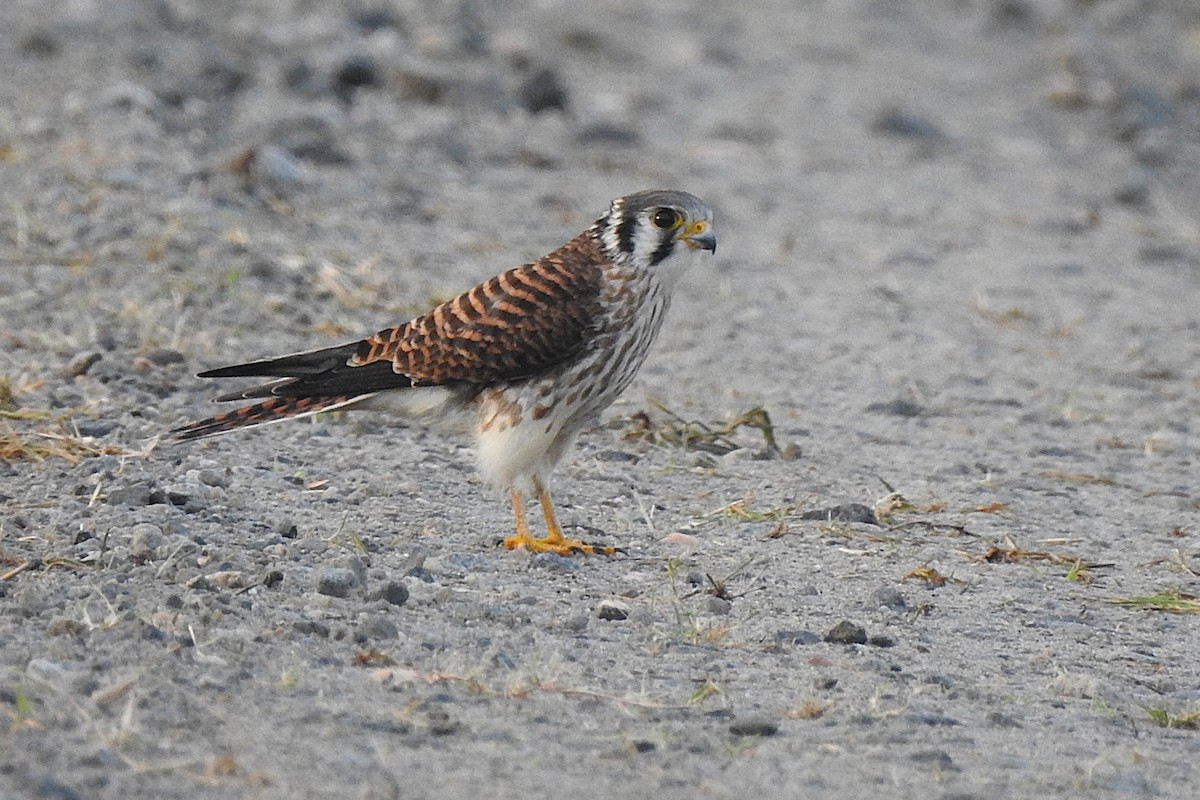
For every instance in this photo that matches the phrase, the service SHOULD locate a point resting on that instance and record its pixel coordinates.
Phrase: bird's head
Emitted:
(647, 229)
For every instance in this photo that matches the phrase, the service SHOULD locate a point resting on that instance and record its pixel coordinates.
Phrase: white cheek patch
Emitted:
(670, 271)
(648, 241)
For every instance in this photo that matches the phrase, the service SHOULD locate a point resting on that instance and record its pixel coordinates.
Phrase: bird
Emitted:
(524, 361)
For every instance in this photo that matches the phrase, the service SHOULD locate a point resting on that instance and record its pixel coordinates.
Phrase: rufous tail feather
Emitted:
(277, 409)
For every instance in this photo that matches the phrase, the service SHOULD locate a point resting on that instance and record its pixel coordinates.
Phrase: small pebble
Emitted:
(357, 70)
(754, 726)
(80, 364)
(163, 356)
(336, 581)
(797, 637)
(144, 539)
(228, 579)
(377, 626)
(395, 593)
(94, 428)
(905, 124)
(311, 627)
(847, 512)
(543, 91)
(64, 626)
(618, 456)
(846, 632)
(612, 610)
(200, 582)
(136, 494)
(216, 477)
(926, 718)
(152, 633)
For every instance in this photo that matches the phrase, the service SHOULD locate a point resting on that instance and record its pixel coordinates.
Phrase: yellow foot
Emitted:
(555, 542)
(560, 545)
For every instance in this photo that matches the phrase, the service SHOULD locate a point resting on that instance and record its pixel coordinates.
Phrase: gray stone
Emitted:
(336, 581)
(612, 610)
(144, 540)
(754, 726)
(846, 632)
(377, 626)
(395, 593)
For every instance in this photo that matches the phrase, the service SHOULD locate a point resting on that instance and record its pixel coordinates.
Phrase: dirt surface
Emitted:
(959, 267)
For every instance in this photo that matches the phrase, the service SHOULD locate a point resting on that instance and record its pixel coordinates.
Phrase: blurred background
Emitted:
(881, 170)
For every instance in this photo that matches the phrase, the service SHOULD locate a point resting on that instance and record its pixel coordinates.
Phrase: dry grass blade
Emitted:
(25, 414)
(930, 576)
(17, 570)
(40, 445)
(1081, 478)
(1010, 553)
(1172, 602)
(690, 434)
(1013, 555)
(1078, 569)
(38, 563)
(1189, 721)
(740, 511)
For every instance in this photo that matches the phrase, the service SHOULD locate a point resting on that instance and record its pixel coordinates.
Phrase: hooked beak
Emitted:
(700, 235)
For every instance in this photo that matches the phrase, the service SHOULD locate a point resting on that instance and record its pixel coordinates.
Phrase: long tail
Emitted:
(277, 409)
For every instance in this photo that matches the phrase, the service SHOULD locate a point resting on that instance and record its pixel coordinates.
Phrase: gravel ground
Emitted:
(959, 269)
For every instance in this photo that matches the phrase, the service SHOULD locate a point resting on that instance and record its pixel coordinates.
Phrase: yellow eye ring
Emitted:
(667, 218)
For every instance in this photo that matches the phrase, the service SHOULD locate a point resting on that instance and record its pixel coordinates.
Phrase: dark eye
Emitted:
(666, 218)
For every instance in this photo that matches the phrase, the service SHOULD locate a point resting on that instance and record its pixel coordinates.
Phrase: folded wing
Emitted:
(515, 326)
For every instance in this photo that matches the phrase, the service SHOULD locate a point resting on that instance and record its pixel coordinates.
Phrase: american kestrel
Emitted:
(524, 360)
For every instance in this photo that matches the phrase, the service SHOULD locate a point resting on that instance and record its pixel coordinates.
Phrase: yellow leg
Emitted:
(523, 540)
(553, 530)
(554, 542)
